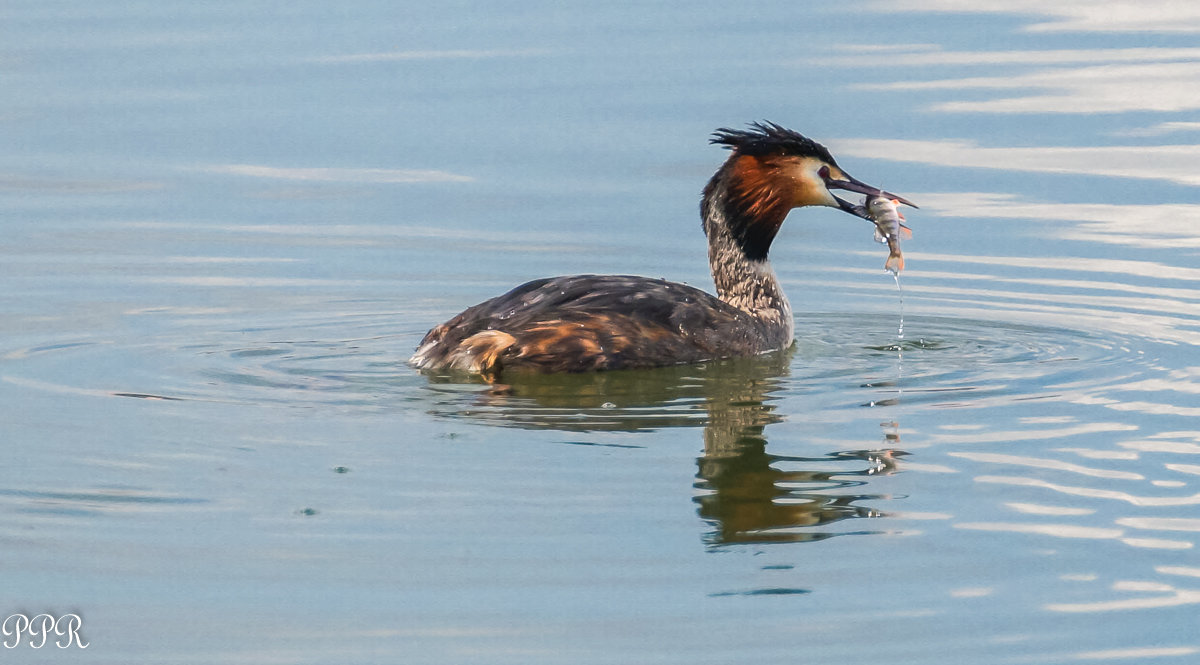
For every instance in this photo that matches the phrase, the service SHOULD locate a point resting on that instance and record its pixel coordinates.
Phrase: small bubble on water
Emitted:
(608, 405)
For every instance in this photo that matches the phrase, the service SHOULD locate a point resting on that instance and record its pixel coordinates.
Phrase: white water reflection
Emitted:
(1163, 128)
(330, 174)
(547, 241)
(1169, 596)
(1095, 492)
(433, 54)
(1166, 16)
(1055, 530)
(1143, 406)
(1161, 225)
(1110, 266)
(1052, 464)
(1113, 80)
(1162, 523)
(39, 184)
(1058, 310)
(1095, 89)
(1076, 531)
(1040, 509)
(1168, 163)
(994, 436)
(1136, 654)
(1091, 453)
(982, 302)
(932, 55)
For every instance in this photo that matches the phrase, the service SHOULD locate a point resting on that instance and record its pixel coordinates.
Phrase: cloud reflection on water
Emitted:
(1169, 163)
(1094, 492)
(1107, 81)
(1042, 509)
(1170, 597)
(330, 174)
(1095, 89)
(1135, 653)
(1051, 464)
(1167, 16)
(1164, 128)
(1166, 225)
(927, 55)
(430, 54)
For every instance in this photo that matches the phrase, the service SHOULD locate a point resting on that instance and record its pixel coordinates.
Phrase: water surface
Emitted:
(226, 226)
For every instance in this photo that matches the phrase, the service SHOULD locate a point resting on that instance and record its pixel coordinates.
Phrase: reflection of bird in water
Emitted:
(590, 322)
(745, 493)
(678, 396)
(750, 499)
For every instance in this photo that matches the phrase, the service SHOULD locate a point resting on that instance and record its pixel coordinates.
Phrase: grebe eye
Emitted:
(824, 172)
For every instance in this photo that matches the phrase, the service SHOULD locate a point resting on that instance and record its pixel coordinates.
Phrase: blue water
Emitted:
(226, 225)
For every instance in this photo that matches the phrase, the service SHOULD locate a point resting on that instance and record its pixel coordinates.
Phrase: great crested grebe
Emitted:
(582, 323)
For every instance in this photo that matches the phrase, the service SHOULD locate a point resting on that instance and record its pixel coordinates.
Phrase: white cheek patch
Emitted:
(828, 199)
(812, 183)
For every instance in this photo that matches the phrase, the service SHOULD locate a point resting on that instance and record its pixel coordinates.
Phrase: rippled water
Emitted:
(226, 226)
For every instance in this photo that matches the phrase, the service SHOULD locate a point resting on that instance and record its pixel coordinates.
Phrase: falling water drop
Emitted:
(899, 339)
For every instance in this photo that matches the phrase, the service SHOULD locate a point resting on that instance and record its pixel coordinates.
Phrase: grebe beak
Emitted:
(851, 184)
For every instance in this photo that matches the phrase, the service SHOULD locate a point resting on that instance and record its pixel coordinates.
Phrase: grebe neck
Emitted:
(739, 236)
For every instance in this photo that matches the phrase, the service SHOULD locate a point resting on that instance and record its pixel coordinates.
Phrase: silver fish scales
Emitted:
(889, 228)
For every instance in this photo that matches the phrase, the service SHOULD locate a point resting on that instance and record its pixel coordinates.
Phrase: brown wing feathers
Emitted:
(587, 322)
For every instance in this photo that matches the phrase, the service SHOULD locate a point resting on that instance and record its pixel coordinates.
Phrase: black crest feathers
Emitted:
(765, 138)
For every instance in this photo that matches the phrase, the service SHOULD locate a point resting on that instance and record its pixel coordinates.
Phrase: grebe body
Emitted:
(604, 322)
(581, 323)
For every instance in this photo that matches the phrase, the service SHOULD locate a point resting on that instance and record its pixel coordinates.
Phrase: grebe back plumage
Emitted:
(583, 323)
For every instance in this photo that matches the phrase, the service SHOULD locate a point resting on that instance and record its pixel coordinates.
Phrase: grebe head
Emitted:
(771, 171)
(772, 163)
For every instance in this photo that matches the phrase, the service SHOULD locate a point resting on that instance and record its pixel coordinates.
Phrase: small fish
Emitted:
(889, 228)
